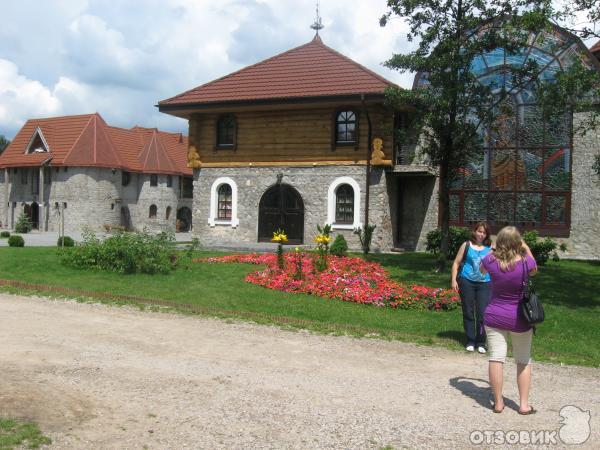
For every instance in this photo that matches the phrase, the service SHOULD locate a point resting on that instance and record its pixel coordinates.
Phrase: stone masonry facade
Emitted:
(584, 238)
(91, 198)
(312, 183)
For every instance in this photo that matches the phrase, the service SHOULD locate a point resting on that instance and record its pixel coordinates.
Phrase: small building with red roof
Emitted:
(288, 143)
(81, 172)
(305, 138)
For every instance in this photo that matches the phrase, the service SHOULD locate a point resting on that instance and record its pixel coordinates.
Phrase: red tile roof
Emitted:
(311, 70)
(87, 141)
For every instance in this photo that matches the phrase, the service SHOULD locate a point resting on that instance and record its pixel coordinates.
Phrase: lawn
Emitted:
(570, 290)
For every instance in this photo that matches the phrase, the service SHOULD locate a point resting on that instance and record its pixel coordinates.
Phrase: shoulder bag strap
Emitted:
(464, 257)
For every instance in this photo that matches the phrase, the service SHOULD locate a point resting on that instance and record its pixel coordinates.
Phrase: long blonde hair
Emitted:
(508, 247)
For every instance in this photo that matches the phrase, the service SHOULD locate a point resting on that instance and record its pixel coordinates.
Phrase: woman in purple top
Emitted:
(507, 266)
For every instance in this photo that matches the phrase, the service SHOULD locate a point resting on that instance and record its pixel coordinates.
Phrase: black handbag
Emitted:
(530, 306)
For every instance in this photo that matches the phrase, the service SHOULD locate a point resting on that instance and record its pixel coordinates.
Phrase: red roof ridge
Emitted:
(304, 57)
(318, 40)
(66, 157)
(236, 72)
(152, 139)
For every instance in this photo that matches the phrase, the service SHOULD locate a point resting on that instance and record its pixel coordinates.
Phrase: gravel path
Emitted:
(95, 376)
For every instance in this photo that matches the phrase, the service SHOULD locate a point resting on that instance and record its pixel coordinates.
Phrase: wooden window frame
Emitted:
(350, 189)
(221, 119)
(335, 142)
(222, 204)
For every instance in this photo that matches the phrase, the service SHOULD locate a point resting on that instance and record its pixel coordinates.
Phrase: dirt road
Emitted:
(95, 376)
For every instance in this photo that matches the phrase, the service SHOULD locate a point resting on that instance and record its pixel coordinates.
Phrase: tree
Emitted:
(452, 111)
(3, 143)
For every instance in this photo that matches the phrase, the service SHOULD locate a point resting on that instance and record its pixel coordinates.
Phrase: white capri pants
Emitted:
(497, 341)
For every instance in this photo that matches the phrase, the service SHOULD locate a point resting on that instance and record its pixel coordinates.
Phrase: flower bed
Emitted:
(347, 279)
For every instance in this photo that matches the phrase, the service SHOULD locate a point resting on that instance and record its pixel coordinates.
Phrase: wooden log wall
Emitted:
(288, 136)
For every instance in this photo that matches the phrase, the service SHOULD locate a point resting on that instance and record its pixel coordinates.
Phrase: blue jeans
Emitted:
(474, 298)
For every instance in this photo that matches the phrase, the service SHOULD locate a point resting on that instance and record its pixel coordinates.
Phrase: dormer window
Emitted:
(226, 132)
(38, 143)
(346, 126)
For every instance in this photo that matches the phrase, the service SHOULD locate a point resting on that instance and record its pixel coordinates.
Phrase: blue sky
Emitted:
(120, 57)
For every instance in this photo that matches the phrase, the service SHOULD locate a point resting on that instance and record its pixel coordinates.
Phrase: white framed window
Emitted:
(348, 189)
(223, 203)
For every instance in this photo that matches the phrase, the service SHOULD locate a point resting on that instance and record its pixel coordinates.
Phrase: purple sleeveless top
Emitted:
(507, 289)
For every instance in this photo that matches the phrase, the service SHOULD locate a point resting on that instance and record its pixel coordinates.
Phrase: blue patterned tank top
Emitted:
(470, 270)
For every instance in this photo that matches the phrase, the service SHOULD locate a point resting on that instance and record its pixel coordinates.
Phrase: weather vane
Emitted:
(317, 25)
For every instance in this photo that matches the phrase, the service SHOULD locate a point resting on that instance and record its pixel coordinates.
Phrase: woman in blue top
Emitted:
(472, 285)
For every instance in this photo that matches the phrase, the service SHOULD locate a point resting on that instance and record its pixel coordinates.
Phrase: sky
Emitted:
(120, 57)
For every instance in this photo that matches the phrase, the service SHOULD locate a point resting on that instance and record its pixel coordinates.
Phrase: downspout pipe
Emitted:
(368, 171)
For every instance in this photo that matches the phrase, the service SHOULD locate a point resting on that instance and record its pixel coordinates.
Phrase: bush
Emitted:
(65, 241)
(458, 235)
(23, 224)
(542, 249)
(16, 241)
(139, 252)
(339, 246)
(4, 234)
(365, 235)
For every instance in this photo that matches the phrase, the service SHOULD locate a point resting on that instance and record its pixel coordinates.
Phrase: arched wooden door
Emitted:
(281, 207)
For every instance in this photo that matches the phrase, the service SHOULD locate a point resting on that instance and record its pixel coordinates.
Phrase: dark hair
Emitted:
(487, 241)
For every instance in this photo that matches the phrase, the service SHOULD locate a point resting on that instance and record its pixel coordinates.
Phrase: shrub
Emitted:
(23, 224)
(542, 249)
(458, 235)
(365, 235)
(139, 252)
(16, 241)
(339, 246)
(65, 241)
(4, 234)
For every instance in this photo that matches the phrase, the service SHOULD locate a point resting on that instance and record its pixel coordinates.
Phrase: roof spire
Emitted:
(317, 24)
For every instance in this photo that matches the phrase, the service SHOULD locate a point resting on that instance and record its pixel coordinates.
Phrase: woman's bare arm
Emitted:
(455, 264)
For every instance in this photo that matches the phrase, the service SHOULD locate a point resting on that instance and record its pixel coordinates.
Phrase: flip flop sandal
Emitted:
(526, 413)
(497, 411)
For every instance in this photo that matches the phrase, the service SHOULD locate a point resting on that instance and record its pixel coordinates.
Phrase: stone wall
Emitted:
(312, 183)
(584, 239)
(94, 197)
(418, 208)
(161, 196)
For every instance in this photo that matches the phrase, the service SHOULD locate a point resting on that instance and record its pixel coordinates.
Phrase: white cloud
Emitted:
(119, 57)
(22, 98)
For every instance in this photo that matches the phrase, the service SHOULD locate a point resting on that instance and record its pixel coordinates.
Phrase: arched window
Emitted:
(522, 175)
(168, 213)
(344, 204)
(223, 203)
(153, 180)
(153, 211)
(226, 131)
(224, 207)
(345, 128)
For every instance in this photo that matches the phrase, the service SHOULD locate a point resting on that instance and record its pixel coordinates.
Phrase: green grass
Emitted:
(24, 434)
(570, 290)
